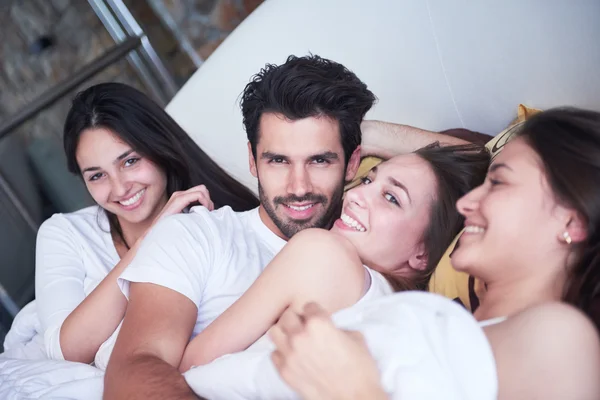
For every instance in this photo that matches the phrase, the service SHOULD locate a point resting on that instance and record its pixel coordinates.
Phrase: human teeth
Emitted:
(351, 222)
(133, 199)
(474, 229)
(301, 208)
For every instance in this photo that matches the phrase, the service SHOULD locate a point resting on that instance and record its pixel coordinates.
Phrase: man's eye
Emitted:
(277, 160)
(320, 161)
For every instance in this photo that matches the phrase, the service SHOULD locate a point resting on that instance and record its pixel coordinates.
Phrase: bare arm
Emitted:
(83, 332)
(71, 322)
(157, 327)
(551, 351)
(294, 277)
(386, 139)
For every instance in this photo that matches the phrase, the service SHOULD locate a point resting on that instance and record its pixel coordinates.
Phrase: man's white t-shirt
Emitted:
(212, 258)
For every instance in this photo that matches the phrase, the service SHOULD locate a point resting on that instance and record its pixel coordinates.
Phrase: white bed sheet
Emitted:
(26, 373)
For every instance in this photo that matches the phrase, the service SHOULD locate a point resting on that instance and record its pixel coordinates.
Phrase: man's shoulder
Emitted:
(222, 214)
(219, 223)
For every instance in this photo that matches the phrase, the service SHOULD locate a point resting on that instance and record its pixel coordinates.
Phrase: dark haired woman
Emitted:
(139, 166)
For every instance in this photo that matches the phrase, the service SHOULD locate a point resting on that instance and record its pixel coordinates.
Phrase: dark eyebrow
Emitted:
(269, 155)
(496, 166)
(396, 183)
(121, 157)
(328, 155)
(90, 169)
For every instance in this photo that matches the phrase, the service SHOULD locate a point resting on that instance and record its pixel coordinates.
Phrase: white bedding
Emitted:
(26, 373)
(426, 346)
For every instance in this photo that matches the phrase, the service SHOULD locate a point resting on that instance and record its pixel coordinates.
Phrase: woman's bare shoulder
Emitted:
(322, 238)
(553, 343)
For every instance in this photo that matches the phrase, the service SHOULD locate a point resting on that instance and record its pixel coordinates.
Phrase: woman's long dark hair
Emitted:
(568, 142)
(149, 130)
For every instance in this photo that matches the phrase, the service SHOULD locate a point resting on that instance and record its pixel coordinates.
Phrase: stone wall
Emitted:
(77, 37)
(203, 23)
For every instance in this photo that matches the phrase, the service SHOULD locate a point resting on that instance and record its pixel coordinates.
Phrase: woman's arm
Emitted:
(320, 361)
(84, 323)
(316, 265)
(95, 319)
(60, 292)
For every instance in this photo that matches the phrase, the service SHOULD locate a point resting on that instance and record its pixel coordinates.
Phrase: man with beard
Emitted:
(303, 121)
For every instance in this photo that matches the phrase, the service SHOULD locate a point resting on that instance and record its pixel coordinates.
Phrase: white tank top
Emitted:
(377, 286)
(492, 321)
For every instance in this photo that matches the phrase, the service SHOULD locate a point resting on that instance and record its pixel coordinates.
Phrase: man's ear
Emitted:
(252, 161)
(418, 261)
(353, 164)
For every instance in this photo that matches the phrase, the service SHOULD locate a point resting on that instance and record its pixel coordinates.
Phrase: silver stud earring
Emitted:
(567, 237)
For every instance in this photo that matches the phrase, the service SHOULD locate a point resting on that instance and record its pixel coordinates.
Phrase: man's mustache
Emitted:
(307, 198)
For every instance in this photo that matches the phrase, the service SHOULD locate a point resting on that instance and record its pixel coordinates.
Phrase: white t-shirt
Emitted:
(210, 257)
(74, 253)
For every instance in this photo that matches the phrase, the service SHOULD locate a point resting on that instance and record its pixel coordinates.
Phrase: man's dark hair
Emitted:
(304, 87)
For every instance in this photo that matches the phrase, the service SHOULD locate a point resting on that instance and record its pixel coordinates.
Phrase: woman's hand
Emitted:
(180, 200)
(320, 361)
(177, 203)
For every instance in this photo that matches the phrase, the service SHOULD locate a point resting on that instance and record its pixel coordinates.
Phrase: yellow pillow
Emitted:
(445, 280)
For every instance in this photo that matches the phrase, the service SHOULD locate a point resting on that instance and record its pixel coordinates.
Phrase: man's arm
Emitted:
(386, 140)
(157, 327)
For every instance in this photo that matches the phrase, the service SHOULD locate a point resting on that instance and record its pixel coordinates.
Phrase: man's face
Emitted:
(301, 172)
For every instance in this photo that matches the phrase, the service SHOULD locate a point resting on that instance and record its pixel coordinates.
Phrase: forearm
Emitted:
(386, 140)
(146, 377)
(237, 328)
(96, 317)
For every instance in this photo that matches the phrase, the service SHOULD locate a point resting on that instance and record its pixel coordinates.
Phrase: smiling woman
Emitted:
(122, 182)
(139, 166)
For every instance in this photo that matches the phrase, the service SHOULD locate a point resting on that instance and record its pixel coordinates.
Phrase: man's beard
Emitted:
(289, 228)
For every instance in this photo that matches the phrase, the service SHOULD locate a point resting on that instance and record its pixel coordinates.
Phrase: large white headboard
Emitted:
(435, 64)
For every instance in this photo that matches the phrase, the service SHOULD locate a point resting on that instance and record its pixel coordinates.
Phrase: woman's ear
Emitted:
(418, 261)
(576, 228)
